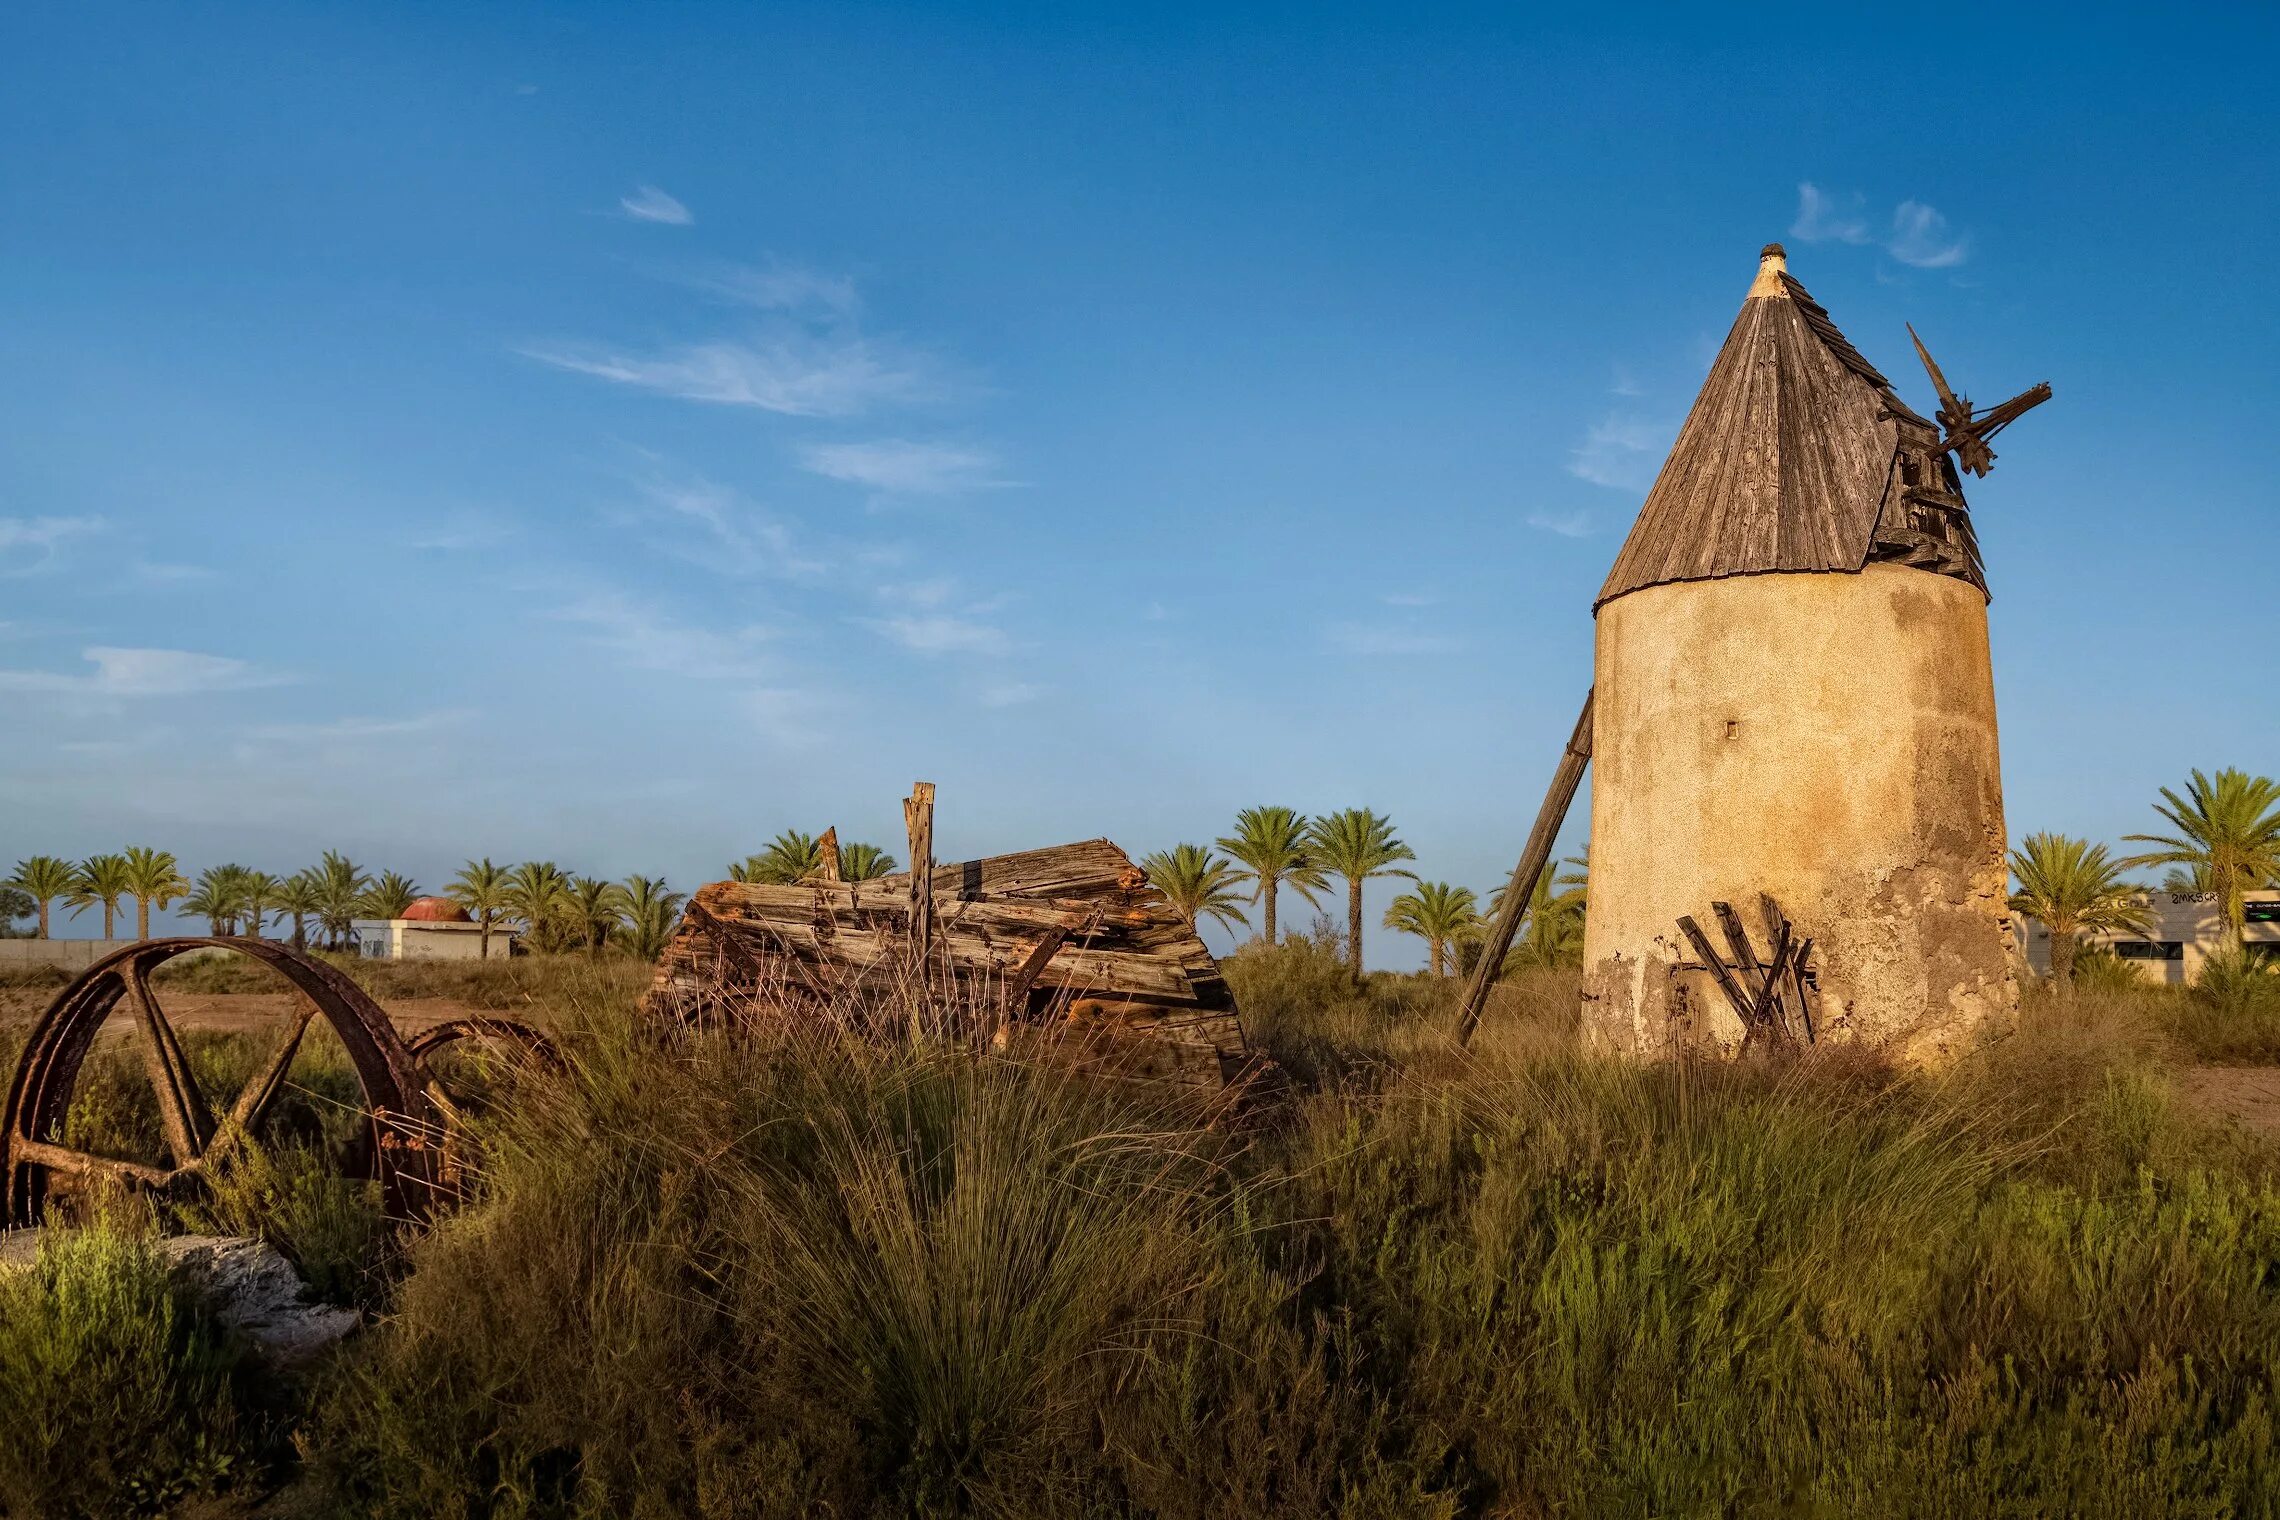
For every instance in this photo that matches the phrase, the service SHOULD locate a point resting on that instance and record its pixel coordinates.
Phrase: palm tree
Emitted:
(44, 878)
(1356, 844)
(1551, 932)
(389, 897)
(2189, 881)
(100, 879)
(534, 895)
(2228, 827)
(864, 862)
(259, 890)
(217, 899)
(481, 888)
(1437, 913)
(299, 897)
(790, 857)
(596, 907)
(341, 884)
(1198, 884)
(651, 911)
(1271, 845)
(2072, 888)
(153, 877)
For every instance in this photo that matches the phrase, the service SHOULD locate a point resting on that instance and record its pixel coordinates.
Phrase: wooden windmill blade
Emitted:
(1967, 435)
(1954, 409)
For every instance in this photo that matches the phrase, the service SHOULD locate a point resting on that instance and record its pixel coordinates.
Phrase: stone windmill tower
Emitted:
(1793, 701)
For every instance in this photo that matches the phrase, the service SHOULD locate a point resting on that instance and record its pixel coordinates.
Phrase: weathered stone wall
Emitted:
(1827, 738)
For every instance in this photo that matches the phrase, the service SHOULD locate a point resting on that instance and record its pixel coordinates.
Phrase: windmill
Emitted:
(1966, 435)
(1793, 704)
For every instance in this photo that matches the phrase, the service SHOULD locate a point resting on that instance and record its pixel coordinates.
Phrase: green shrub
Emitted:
(784, 1275)
(295, 1196)
(121, 1396)
(2232, 1014)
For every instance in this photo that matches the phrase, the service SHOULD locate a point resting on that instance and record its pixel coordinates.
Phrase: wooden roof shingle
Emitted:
(1784, 462)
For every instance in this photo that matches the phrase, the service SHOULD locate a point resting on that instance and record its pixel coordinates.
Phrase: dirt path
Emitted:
(2249, 1095)
(237, 1012)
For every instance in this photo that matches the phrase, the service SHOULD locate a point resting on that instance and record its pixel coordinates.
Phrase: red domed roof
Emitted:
(436, 910)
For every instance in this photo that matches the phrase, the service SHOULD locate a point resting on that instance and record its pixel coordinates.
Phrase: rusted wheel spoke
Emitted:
(182, 1112)
(261, 1089)
(401, 1133)
(64, 1158)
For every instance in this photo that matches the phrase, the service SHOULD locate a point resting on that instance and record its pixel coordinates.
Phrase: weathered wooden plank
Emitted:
(1783, 461)
(918, 813)
(1717, 967)
(1535, 859)
(1115, 953)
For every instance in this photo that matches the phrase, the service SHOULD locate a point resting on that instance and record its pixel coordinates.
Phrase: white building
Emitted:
(432, 929)
(2188, 928)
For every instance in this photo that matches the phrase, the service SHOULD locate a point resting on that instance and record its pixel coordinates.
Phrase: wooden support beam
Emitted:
(918, 818)
(1534, 859)
(1788, 972)
(829, 866)
(1745, 954)
(1765, 1015)
(1728, 983)
(1805, 997)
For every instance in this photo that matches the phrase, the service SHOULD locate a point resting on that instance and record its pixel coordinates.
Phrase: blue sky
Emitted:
(616, 433)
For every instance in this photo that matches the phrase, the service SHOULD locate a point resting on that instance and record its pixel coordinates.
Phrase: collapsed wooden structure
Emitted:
(1777, 999)
(1072, 939)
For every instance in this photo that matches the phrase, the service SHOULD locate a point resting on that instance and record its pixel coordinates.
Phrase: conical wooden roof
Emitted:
(1788, 458)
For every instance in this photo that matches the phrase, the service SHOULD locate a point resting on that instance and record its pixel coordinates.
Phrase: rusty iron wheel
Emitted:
(519, 1046)
(506, 1036)
(403, 1136)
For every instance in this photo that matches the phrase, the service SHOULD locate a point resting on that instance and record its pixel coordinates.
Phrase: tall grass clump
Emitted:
(122, 1396)
(2232, 1014)
(790, 1273)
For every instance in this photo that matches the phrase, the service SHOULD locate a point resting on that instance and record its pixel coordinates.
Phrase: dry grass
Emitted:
(780, 1269)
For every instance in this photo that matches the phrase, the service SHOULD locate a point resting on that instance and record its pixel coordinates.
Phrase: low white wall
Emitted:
(68, 954)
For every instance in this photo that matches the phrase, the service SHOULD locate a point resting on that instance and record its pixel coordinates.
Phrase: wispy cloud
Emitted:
(457, 537)
(796, 376)
(720, 529)
(1918, 235)
(356, 729)
(640, 638)
(939, 591)
(1011, 694)
(650, 204)
(1387, 639)
(123, 673)
(156, 573)
(1920, 238)
(1620, 451)
(1625, 384)
(340, 742)
(29, 544)
(782, 286)
(940, 633)
(1576, 524)
(899, 466)
(794, 718)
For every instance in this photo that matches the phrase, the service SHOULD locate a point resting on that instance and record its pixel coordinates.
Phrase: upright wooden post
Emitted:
(918, 817)
(1533, 861)
(828, 866)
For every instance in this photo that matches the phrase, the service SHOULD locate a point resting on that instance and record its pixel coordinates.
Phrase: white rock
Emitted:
(250, 1285)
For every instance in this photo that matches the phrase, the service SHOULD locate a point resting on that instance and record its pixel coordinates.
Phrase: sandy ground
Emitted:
(2248, 1095)
(234, 1012)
